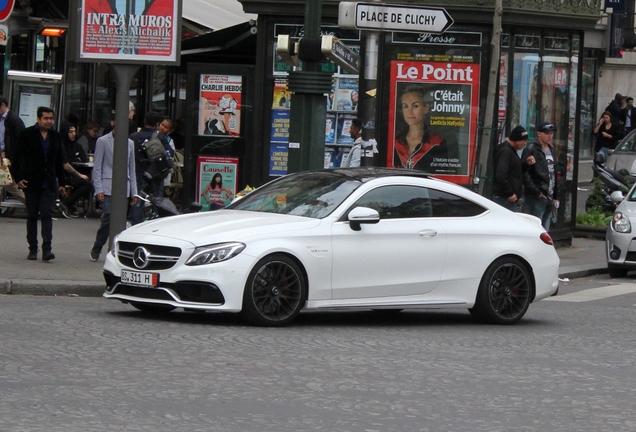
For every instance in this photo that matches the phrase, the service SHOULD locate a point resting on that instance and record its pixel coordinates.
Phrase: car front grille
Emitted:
(159, 257)
(631, 256)
(186, 291)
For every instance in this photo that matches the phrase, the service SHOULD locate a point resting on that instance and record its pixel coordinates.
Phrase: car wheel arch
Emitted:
(281, 305)
(525, 264)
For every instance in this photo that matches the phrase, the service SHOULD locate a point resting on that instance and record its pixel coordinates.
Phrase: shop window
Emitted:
(523, 107)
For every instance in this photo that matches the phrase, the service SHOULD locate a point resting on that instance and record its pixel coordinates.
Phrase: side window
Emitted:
(398, 202)
(449, 205)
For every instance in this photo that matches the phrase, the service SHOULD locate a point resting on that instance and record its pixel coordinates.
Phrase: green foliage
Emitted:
(595, 216)
(596, 200)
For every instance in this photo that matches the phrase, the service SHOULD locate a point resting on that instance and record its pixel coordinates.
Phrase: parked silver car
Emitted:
(624, 156)
(620, 249)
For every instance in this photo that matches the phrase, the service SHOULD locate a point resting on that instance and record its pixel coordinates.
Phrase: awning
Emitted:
(216, 14)
(236, 42)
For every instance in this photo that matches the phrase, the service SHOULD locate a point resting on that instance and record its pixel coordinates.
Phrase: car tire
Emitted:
(275, 292)
(152, 309)
(504, 292)
(617, 272)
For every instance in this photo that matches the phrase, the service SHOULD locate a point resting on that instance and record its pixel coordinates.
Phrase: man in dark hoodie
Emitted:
(507, 186)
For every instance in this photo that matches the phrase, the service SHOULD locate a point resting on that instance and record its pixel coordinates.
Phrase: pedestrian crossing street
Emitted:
(595, 293)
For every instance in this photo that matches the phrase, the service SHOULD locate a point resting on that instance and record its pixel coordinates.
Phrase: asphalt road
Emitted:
(88, 364)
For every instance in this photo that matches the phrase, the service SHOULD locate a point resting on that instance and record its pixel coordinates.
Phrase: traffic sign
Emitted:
(382, 17)
(6, 6)
(341, 54)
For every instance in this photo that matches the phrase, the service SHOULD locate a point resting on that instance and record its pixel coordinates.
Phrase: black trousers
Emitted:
(39, 205)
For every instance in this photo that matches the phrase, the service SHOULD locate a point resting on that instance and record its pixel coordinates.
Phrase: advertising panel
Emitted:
(130, 31)
(220, 105)
(433, 108)
(217, 178)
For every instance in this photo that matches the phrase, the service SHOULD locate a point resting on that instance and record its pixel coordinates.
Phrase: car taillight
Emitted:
(545, 238)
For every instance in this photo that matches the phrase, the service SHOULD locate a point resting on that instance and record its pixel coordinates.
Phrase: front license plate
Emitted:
(139, 278)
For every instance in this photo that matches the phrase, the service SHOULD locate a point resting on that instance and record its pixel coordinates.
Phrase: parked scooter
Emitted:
(159, 207)
(620, 180)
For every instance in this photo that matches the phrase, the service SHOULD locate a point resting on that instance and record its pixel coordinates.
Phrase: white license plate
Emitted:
(139, 278)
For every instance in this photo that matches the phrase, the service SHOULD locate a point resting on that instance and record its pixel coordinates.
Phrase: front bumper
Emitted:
(214, 287)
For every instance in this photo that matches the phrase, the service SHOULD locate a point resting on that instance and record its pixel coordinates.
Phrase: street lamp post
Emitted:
(308, 104)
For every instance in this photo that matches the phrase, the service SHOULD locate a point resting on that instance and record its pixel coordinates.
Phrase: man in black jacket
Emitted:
(628, 116)
(540, 181)
(507, 187)
(39, 170)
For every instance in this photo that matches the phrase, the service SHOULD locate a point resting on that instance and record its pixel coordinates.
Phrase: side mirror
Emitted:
(360, 215)
(617, 197)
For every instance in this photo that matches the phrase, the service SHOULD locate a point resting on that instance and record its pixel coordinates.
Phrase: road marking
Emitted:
(595, 293)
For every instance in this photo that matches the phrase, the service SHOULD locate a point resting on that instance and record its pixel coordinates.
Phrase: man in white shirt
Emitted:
(352, 160)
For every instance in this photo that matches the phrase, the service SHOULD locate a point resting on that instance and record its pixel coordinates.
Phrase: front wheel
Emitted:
(504, 292)
(275, 292)
(617, 272)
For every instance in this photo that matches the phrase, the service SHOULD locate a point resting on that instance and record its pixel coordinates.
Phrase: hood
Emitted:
(220, 225)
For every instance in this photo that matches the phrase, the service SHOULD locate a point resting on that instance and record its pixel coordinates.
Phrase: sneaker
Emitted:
(47, 255)
(94, 255)
(73, 212)
(33, 255)
(62, 209)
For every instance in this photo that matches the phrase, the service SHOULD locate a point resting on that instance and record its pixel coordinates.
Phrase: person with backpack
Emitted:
(152, 162)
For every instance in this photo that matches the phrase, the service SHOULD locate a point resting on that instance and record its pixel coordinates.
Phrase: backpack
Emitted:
(159, 161)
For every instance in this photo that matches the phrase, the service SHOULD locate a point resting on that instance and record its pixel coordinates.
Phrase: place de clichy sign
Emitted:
(381, 17)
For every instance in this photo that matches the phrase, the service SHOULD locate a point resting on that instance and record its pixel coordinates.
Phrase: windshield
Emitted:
(628, 143)
(312, 194)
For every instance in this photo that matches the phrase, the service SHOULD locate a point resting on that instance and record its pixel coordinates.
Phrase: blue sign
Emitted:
(616, 6)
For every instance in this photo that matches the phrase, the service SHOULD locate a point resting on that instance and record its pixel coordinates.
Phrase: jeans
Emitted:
(39, 205)
(541, 208)
(104, 227)
(503, 201)
(153, 187)
(136, 213)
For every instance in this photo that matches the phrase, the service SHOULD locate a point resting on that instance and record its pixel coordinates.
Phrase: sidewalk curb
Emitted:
(52, 287)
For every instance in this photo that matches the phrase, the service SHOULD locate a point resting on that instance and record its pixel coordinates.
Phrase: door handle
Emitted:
(427, 233)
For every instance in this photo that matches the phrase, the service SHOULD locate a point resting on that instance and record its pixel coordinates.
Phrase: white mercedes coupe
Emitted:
(355, 238)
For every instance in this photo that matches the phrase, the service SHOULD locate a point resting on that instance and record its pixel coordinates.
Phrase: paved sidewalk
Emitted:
(72, 272)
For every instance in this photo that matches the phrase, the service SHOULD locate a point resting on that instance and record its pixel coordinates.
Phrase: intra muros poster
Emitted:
(129, 30)
(220, 105)
(433, 108)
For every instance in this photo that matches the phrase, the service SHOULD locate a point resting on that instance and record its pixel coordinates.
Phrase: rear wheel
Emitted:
(275, 292)
(152, 309)
(504, 292)
(617, 272)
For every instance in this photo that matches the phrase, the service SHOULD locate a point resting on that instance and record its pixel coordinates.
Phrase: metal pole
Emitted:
(308, 104)
(124, 75)
(485, 148)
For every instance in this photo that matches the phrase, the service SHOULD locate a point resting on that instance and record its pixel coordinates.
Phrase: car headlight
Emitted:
(620, 223)
(215, 253)
(113, 246)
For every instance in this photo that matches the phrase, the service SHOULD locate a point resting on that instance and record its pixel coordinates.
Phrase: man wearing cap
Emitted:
(507, 186)
(540, 180)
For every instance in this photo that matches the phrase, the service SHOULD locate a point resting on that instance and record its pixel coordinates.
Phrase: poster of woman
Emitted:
(216, 181)
(433, 117)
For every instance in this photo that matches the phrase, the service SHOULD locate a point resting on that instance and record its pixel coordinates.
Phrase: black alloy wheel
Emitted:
(275, 292)
(504, 292)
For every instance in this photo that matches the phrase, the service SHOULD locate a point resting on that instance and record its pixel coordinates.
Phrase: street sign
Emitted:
(340, 54)
(381, 17)
(6, 7)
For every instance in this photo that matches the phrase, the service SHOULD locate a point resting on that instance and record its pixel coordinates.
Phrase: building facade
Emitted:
(552, 67)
